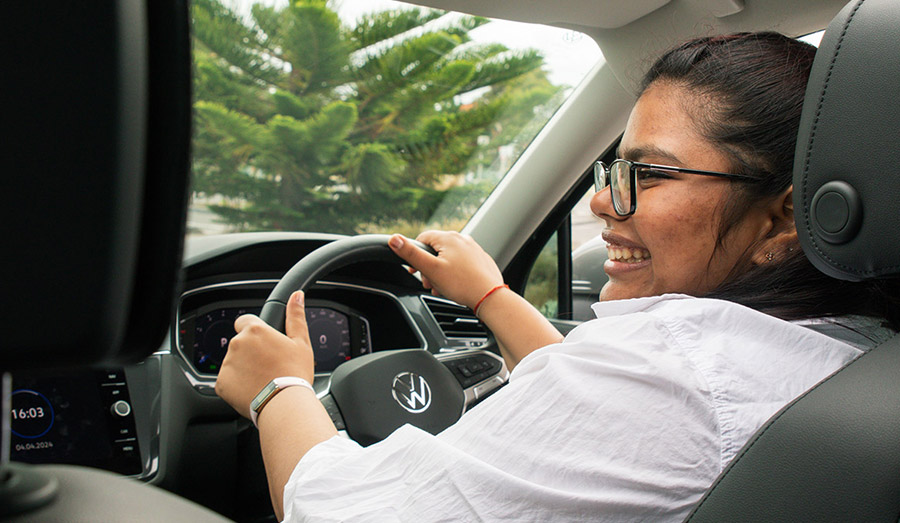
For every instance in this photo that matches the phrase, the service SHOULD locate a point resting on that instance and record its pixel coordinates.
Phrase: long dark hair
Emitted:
(749, 89)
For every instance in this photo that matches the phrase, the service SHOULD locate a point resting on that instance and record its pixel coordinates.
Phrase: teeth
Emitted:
(626, 255)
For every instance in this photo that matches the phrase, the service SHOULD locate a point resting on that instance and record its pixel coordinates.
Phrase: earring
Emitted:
(770, 256)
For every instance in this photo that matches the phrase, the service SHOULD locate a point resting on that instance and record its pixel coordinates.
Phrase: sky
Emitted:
(569, 55)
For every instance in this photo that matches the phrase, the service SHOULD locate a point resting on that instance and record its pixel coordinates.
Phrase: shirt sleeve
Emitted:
(315, 463)
(409, 473)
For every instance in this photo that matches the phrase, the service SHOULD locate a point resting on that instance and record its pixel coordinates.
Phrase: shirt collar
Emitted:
(604, 309)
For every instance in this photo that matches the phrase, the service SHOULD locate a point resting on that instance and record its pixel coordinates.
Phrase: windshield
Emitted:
(362, 116)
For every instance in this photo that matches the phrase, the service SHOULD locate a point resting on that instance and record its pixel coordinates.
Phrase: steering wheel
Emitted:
(373, 394)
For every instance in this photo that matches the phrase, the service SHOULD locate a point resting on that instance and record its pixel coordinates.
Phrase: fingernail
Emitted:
(299, 298)
(396, 241)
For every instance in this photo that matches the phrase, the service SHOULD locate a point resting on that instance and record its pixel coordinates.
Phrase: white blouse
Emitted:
(630, 418)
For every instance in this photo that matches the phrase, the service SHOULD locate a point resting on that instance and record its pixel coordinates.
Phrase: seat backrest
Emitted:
(95, 138)
(834, 453)
(96, 132)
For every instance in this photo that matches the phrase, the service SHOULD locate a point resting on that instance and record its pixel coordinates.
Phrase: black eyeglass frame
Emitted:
(602, 178)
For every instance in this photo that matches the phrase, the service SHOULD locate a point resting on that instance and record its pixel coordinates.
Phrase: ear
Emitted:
(780, 236)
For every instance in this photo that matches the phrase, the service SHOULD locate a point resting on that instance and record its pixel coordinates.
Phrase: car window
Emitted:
(541, 288)
(586, 251)
(358, 116)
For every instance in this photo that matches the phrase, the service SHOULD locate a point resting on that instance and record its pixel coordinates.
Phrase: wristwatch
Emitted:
(270, 390)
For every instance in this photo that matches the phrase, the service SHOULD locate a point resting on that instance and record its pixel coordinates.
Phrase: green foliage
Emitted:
(223, 34)
(541, 287)
(373, 28)
(303, 123)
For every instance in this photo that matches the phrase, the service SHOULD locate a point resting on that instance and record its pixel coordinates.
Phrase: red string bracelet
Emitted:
(492, 291)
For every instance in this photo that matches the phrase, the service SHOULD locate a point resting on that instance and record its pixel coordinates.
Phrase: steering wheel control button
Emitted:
(485, 389)
(364, 347)
(471, 370)
(334, 412)
(121, 409)
(412, 392)
(836, 212)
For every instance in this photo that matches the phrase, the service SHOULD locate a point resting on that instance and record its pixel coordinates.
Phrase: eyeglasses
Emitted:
(621, 176)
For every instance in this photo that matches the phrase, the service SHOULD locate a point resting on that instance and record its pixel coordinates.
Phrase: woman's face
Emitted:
(669, 243)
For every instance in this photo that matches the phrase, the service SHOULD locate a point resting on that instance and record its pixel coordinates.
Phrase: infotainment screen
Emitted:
(83, 418)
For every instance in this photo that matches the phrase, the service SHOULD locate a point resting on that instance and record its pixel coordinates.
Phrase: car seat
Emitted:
(834, 453)
(96, 131)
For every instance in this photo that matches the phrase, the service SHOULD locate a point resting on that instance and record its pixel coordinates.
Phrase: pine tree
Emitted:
(303, 123)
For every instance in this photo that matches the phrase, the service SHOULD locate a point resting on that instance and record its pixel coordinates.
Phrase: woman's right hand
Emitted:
(461, 271)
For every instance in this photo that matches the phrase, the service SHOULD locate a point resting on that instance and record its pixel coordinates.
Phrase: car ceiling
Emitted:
(632, 32)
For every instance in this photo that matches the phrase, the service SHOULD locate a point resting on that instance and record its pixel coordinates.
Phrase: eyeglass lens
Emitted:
(620, 182)
(600, 181)
(618, 177)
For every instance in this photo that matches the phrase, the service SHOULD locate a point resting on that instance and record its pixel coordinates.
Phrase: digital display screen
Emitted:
(53, 419)
(67, 419)
(204, 338)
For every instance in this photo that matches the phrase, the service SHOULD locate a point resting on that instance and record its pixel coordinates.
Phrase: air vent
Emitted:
(456, 321)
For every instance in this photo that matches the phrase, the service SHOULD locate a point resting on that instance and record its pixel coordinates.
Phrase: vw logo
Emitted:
(412, 392)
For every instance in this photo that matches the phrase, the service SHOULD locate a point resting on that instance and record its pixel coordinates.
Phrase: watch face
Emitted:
(263, 395)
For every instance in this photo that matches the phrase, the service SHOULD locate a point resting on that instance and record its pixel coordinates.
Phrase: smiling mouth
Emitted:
(627, 255)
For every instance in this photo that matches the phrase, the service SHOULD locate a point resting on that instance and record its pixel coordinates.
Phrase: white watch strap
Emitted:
(271, 389)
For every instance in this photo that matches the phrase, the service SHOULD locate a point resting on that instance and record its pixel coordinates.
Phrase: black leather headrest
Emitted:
(847, 164)
(96, 134)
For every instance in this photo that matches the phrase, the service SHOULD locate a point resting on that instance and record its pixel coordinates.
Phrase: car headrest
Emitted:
(846, 179)
(96, 135)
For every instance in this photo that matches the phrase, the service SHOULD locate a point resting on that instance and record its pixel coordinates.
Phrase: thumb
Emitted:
(295, 318)
(410, 253)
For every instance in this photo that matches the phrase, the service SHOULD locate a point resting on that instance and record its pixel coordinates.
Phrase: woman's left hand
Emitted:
(259, 353)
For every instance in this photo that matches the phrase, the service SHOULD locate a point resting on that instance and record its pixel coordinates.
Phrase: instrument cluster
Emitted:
(206, 325)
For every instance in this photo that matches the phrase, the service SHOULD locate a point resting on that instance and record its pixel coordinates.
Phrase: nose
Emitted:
(602, 207)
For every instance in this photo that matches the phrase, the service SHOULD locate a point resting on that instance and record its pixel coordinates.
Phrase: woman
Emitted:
(634, 414)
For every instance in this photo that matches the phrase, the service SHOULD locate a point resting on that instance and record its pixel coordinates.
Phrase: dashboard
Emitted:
(160, 421)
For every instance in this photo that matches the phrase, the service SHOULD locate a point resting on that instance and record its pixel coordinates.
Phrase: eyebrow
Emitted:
(637, 153)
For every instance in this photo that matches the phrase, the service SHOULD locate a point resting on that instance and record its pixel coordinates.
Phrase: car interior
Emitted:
(116, 323)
